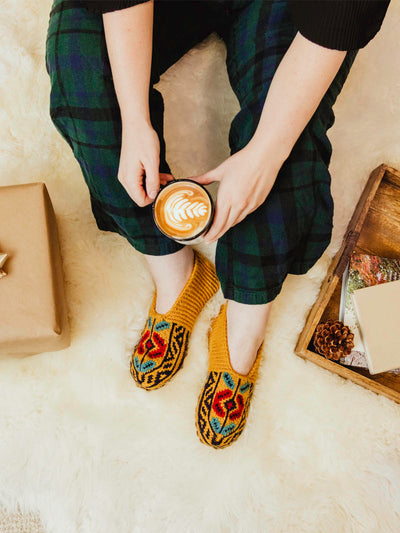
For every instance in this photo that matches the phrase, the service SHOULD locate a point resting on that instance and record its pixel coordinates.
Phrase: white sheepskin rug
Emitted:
(86, 450)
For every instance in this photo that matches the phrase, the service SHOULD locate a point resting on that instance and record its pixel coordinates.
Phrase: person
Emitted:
(287, 62)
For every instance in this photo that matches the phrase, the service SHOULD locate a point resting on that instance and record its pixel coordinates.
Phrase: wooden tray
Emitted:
(374, 228)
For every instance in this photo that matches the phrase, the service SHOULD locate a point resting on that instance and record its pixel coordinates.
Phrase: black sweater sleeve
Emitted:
(339, 24)
(105, 6)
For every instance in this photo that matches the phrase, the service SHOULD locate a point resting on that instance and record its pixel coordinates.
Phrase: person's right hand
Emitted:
(139, 161)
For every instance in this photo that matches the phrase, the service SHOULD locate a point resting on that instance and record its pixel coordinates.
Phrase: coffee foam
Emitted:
(182, 209)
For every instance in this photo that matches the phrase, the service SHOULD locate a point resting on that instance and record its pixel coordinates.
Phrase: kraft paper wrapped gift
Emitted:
(33, 307)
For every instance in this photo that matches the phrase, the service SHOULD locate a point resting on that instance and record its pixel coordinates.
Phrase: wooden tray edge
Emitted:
(346, 373)
(333, 275)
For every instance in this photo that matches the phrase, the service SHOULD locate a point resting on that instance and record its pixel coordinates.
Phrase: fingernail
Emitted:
(153, 194)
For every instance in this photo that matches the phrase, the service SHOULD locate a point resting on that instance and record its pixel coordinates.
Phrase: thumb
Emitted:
(206, 178)
(152, 180)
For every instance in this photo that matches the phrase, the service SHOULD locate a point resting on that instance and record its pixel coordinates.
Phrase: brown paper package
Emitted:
(33, 307)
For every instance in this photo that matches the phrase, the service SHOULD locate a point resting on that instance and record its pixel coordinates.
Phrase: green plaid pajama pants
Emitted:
(289, 232)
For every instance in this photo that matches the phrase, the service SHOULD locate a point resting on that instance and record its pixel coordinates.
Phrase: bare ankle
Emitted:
(246, 326)
(170, 274)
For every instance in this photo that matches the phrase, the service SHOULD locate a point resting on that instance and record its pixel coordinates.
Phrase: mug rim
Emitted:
(206, 227)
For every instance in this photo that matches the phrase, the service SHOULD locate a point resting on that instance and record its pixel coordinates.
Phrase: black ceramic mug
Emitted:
(183, 210)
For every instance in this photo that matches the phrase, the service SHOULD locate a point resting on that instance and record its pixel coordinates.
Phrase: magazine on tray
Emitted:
(363, 270)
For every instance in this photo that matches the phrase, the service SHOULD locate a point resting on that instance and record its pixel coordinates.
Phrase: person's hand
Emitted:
(246, 179)
(139, 163)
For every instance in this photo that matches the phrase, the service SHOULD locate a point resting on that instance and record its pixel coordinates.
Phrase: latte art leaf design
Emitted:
(179, 209)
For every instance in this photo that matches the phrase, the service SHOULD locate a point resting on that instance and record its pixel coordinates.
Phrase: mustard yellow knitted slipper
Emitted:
(163, 345)
(224, 401)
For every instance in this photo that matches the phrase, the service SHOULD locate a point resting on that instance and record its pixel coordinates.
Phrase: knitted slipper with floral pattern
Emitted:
(224, 401)
(163, 345)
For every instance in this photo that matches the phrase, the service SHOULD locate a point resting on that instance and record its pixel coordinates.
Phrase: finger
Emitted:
(228, 224)
(133, 186)
(241, 217)
(221, 216)
(152, 179)
(206, 178)
(165, 177)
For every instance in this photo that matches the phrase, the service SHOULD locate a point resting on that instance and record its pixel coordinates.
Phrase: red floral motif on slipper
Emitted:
(142, 344)
(229, 404)
(238, 413)
(155, 346)
(221, 395)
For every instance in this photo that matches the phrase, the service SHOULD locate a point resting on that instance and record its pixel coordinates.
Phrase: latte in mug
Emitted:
(183, 210)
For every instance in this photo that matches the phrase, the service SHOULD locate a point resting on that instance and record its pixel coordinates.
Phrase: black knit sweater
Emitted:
(337, 24)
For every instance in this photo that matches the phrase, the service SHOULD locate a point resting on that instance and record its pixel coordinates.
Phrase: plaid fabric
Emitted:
(289, 232)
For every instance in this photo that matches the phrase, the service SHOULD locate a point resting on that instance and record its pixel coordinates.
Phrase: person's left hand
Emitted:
(246, 179)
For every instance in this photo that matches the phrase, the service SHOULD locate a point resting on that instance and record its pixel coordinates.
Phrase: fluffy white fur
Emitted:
(89, 451)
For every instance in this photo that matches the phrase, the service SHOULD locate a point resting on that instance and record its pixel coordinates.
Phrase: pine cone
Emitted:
(333, 339)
